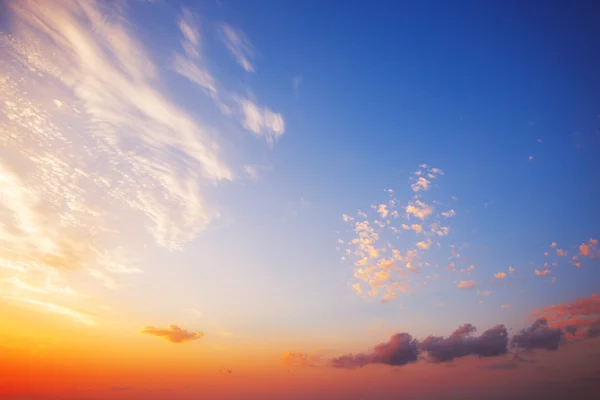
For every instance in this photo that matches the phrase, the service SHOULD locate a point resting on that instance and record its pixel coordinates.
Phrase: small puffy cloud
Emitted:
(261, 120)
(357, 288)
(173, 333)
(590, 249)
(347, 218)
(467, 285)
(382, 210)
(511, 270)
(420, 184)
(443, 231)
(302, 360)
(530, 158)
(553, 245)
(238, 45)
(401, 349)
(561, 252)
(467, 270)
(417, 228)
(424, 245)
(419, 209)
(449, 214)
(538, 336)
(500, 275)
(505, 306)
(543, 272)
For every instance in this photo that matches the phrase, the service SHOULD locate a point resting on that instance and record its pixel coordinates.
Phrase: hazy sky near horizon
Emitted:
(267, 190)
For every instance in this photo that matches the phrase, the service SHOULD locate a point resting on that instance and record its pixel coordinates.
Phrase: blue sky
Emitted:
(469, 89)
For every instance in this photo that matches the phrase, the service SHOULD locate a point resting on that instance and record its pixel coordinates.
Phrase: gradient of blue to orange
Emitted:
(183, 188)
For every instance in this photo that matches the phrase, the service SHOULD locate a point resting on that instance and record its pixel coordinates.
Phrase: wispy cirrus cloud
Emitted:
(173, 333)
(238, 45)
(78, 316)
(94, 152)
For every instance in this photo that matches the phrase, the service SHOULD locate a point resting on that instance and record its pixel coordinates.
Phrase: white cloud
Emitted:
(191, 36)
(251, 171)
(261, 120)
(449, 214)
(238, 45)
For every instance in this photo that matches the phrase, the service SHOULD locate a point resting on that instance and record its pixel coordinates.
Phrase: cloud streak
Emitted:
(173, 333)
(238, 45)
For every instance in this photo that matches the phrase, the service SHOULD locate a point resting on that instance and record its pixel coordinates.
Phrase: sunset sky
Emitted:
(299, 200)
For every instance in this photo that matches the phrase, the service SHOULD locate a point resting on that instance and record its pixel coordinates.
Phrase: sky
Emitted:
(299, 200)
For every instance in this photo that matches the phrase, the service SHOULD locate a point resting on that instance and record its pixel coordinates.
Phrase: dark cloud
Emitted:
(492, 342)
(538, 336)
(572, 329)
(594, 329)
(401, 349)
(173, 333)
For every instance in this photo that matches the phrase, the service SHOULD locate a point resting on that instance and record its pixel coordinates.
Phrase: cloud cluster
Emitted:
(173, 333)
(389, 247)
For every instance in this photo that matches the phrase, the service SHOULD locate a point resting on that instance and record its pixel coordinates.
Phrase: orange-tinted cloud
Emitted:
(302, 360)
(500, 275)
(467, 285)
(590, 249)
(580, 314)
(543, 272)
(173, 333)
